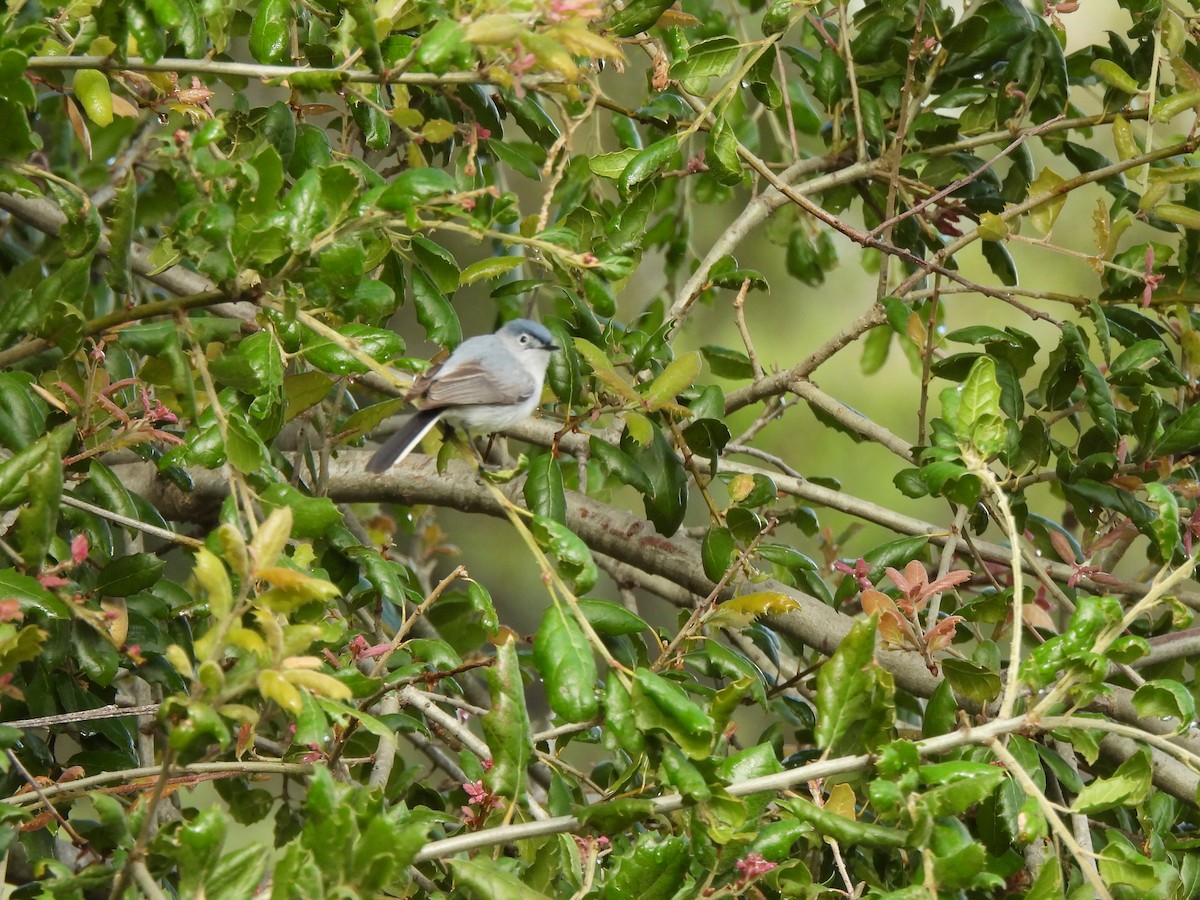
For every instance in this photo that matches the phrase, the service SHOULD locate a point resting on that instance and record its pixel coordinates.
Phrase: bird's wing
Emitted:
(466, 383)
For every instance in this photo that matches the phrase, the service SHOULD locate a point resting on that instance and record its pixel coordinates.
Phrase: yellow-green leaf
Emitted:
(604, 371)
(1166, 110)
(639, 428)
(272, 537)
(493, 29)
(576, 37)
(437, 130)
(992, 227)
(298, 582)
(675, 378)
(741, 612)
(1114, 75)
(319, 683)
(486, 269)
(210, 574)
(1178, 214)
(275, 687)
(94, 95)
(1044, 214)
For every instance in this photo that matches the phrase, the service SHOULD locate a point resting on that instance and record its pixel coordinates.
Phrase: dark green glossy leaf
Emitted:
(544, 494)
(564, 659)
(506, 726)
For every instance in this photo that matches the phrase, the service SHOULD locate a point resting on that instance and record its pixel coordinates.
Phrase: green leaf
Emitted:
(896, 553)
(829, 79)
(485, 879)
(487, 269)
(611, 165)
(271, 31)
(1165, 525)
(726, 363)
(845, 691)
(636, 17)
(564, 659)
(647, 163)
(673, 703)
(440, 44)
(622, 730)
(127, 575)
(1164, 698)
(683, 775)
(365, 36)
(957, 786)
(237, 873)
(380, 344)
(971, 680)
(412, 187)
(438, 262)
(1000, 261)
(312, 517)
(37, 523)
(718, 550)
(544, 493)
(611, 619)
(506, 725)
(653, 869)
(1096, 390)
(616, 462)
(846, 831)
(434, 312)
(721, 154)
(712, 57)
(574, 559)
(522, 157)
(1182, 435)
(94, 95)
(1045, 214)
(675, 379)
(482, 608)
(762, 79)
(95, 654)
(200, 842)
(980, 396)
(31, 596)
(667, 504)
(1127, 786)
(372, 120)
(120, 236)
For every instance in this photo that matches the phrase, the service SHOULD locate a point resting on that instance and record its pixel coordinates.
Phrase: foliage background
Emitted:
(851, 555)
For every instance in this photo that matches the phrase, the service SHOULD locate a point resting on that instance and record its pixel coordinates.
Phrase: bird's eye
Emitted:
(524, 339)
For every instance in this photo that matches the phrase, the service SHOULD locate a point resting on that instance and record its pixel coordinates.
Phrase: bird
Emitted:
(489, 382)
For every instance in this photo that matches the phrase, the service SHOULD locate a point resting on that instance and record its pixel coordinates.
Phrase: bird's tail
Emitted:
(401, 443)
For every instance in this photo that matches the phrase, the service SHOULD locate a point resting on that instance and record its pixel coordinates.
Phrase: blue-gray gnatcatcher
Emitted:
(488, 383)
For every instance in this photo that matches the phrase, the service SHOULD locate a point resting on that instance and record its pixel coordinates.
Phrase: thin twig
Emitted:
(507, 834)
(281, 73)
(1014, 768)
(78, 840)
(145, 527)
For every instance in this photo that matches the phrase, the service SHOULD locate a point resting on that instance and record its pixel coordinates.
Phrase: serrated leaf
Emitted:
(741, 612)
(1127, 786)
(1165, 698)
